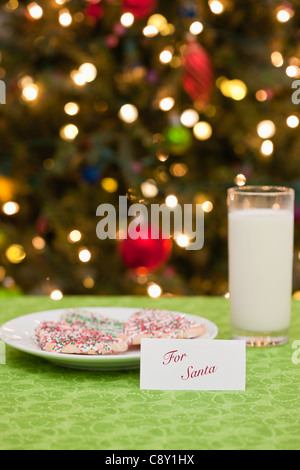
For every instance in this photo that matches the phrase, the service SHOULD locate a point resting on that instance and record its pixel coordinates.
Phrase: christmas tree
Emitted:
(148, 99)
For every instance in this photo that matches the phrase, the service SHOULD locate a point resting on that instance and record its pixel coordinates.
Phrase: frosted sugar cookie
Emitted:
(152, 323)
(66, 338)
(89, 320)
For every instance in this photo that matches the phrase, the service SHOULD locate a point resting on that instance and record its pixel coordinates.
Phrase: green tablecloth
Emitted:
(44, 406)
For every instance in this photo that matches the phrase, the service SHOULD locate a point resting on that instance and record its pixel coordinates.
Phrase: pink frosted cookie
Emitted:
(66, 338)
(152, 323)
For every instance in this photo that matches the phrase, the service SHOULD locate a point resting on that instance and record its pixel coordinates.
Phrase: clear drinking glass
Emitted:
(260, 245)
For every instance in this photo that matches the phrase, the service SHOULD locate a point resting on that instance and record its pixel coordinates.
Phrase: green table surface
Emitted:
(48, 407)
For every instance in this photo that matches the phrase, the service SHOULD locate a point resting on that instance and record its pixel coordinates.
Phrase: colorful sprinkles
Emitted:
(82, 332)
(161, 324)
(91, 321)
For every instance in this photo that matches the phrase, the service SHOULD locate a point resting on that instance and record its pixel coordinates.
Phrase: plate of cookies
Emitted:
(101, 338)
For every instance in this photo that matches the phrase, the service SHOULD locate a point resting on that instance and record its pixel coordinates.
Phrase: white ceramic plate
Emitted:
(20, 334)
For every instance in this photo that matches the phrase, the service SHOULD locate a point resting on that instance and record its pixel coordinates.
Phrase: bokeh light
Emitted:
(89, 71)
(84, 255)
(128, 113)
(56, 294)
(10, 208)
(74, 236)
(69, 132)
(266, 129)
(202, 130)
(127, 19)
(35, 10)
(15, 253)
(154, 290)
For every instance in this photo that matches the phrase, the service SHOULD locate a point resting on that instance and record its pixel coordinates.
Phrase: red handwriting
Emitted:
(191, 374)
(172, 357)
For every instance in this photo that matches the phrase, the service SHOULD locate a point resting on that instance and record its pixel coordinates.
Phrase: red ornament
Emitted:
(198, 74)
(148, 253)
(94, 10)
(139, 8)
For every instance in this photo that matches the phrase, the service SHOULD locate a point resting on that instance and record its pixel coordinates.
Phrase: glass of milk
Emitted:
(260, 244)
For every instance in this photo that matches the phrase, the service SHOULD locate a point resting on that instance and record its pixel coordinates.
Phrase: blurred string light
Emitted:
(150, 31)
(182, 240)
(267, 148)
(261, 95)
(196, 28)
(178, 169)
(56, 294)
(74, 236)
(78, 78)
(89, 71)
(277, 59)
(235, 89)
(35, 11)
(149, 188)
(30, 90)
(158, 20)
(69, 132)
(162, 156)
(167, 103)
(240, 180)
(207, 206)
(292, 71)
(161, 24)
(171, 201)
(86, 73)
(15, 254)
(284, 13)
(127, 19)
(128, 113)
(71, 108)
(165, 56)
(64, 18)
(189, 117)
(216, 7)
(154, 290)
(10, 208)
(110, 185)
(84, 255)
(202, 130)
(266, 129)
(12, 5)
(38, 243)
(88, 282)
(292, 121)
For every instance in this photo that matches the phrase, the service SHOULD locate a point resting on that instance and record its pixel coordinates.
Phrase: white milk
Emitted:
(260, 269)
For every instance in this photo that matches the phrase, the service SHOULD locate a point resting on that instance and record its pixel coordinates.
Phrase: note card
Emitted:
(191, 364)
